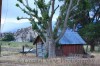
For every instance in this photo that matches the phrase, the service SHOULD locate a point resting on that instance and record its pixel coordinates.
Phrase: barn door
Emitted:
(40, 50)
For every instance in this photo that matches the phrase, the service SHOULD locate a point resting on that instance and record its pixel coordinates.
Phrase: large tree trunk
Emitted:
(92, 47)
(51, 49)
(86, 48)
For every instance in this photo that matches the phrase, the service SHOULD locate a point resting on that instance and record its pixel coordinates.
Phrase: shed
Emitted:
(70, 43)
(40, 48)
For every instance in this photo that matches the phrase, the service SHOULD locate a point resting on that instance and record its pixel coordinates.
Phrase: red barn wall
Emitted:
(65, 50)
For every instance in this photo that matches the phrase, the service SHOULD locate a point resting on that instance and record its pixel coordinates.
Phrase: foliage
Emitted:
(90, 27)
(8, 37)
(15, 44)
(87, 26)
(91, 32)
(83, 21)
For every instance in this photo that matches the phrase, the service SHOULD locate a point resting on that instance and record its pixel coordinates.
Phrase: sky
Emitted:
(10, 12)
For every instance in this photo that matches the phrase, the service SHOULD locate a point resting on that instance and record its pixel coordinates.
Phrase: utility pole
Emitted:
(0, 23)
(0, 12)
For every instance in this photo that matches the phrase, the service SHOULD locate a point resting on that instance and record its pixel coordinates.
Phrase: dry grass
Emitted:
(31, 60)
(12, 57)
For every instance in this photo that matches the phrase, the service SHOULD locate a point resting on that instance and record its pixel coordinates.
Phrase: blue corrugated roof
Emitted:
(71, 37)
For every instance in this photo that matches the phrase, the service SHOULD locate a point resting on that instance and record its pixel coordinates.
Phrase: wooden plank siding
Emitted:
(65, 50)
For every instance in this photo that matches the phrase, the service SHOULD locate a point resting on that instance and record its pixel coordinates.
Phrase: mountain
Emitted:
(12, 26)
(25, 35)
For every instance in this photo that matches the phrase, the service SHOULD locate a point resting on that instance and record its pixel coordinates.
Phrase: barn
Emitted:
(70, 43)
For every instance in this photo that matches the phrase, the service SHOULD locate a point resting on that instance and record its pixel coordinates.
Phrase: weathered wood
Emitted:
(51, 49)
(22, 48)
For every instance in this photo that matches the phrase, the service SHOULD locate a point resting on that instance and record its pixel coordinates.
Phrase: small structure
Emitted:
(70, 43)
(40, 48)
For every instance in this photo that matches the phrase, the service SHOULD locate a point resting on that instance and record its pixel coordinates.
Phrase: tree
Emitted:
(43, 24)
(92, 24)
(91, 34)
(87, 26)
(8, 37)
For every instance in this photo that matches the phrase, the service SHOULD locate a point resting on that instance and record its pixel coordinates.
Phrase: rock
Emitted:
(25, 35)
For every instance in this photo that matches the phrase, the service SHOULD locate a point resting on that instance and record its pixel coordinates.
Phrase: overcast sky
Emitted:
(10, 13)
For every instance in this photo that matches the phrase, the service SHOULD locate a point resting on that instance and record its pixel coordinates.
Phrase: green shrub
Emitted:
(8, 37)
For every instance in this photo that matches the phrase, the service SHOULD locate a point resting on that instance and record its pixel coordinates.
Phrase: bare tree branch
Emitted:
(75, 5)
(23, 18)
(50, 19)
(58, 23)
(52, 13)
(53, 9)
(96, 11)
(27, 3)
(65, 21)
(32, 15)
(28, 12)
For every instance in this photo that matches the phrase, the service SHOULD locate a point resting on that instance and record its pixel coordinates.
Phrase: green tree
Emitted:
(80, 18)
(91, 24)
(8, 37)
(91, 33)
(89, 29)
(43, 25)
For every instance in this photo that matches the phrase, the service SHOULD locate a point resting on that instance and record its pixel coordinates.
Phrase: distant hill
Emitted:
(23, 35)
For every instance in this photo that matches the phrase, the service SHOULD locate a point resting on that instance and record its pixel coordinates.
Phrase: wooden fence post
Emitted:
(23, 48)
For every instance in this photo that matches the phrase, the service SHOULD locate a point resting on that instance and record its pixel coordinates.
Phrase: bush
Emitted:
(8, 37)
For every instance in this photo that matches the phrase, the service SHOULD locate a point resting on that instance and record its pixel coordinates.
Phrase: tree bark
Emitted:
(51, 49)
(65, 21)
(92, 47)
(86, 48)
